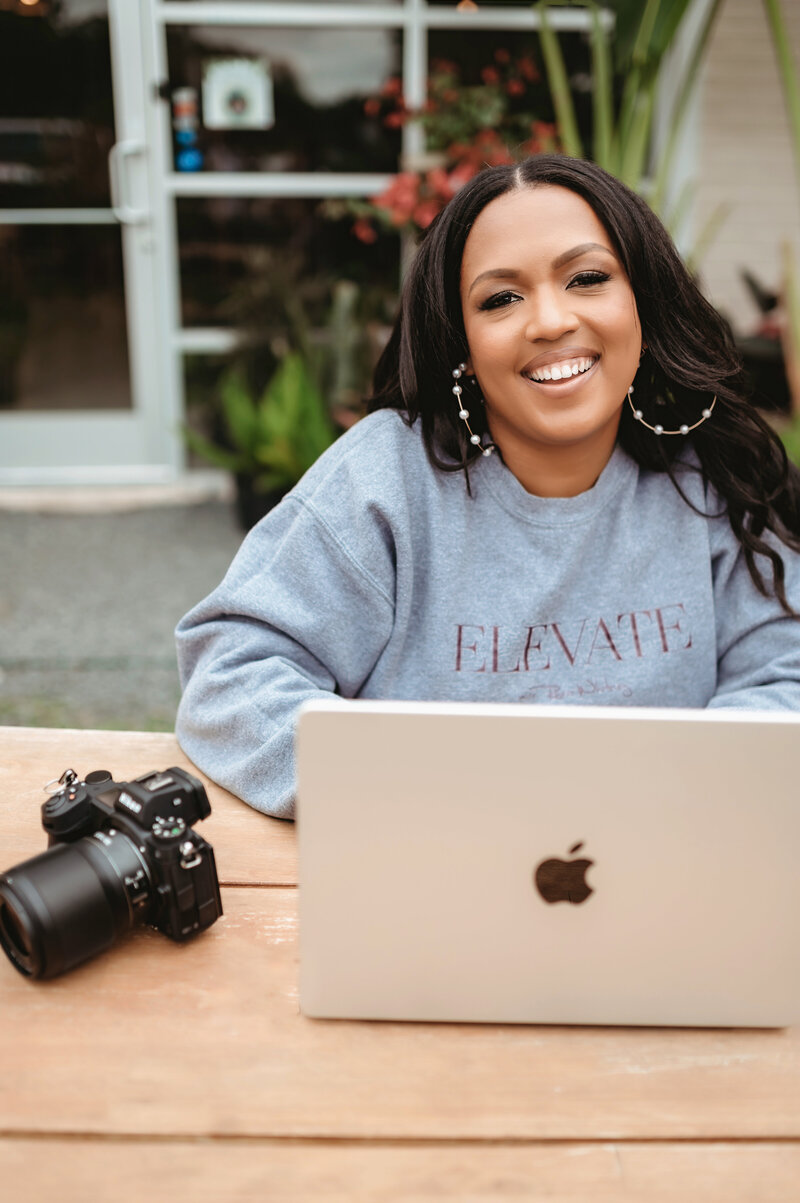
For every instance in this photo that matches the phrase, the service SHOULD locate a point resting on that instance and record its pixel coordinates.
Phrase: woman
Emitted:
(560, 495)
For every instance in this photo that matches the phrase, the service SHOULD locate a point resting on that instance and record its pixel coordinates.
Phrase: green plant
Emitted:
(790, 82)
(273, 438)
(790, 437)
(633, 52)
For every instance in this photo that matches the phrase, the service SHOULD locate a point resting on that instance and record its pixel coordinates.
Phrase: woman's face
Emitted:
(553, 333)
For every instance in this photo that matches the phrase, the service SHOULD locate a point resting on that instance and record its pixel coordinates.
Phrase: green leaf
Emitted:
(678, 115)
(559, 85)
(642, 52)
(239, 410)
(634, 149)
(707, 235)
(790, 79)
(293, 423)
(602, 93)
(228, 460)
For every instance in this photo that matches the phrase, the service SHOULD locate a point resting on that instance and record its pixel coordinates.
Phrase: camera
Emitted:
(119, 854)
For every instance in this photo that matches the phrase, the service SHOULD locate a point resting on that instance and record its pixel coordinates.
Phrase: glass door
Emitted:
(82, 393)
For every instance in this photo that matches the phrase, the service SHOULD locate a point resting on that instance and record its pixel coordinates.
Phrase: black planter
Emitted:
(762, 359)
(251, 504)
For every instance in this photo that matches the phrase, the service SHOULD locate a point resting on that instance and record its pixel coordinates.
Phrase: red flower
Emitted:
(394, 120)
(457, 150)
(372, 106)
(425, 212)
(502, 56)
(460, 175)
(392, 87)
(490, 75)
(399, 199)
(364, 231)
(515, 87)
(527, 68)
(543, 130)
(439, 182)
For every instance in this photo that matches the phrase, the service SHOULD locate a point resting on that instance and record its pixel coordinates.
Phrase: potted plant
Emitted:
(267, 441)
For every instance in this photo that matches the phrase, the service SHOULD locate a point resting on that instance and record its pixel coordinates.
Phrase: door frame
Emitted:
(145, 444)
(140, 444)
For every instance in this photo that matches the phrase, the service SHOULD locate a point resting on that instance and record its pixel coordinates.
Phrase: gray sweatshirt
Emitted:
(378, 576)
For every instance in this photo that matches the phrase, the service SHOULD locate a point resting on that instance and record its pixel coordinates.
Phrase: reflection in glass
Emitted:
(63, 340)
(335, 2)
(319, 79)
(512, 61)
(56, 110)
(233, 251)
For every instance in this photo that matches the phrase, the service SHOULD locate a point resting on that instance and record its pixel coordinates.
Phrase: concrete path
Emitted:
(88, 604)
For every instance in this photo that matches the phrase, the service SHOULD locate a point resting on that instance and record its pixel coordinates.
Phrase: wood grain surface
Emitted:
(213, 1044)
(248, 846)
(73, 1171)
(188, 1072)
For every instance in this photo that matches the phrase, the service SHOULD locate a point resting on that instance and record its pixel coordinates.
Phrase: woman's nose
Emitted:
(549, 316)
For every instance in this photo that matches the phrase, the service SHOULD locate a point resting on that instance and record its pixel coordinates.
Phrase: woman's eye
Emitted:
(498, 300)
(587, 279)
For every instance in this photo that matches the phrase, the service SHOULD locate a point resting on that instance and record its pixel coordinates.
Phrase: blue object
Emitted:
(189, 160)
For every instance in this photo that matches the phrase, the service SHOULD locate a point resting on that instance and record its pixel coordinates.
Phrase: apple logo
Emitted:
(564, 880)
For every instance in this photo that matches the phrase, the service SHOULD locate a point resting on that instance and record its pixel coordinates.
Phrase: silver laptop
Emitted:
(549, 864)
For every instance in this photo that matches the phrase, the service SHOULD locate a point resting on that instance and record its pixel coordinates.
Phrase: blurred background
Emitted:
(206, 207)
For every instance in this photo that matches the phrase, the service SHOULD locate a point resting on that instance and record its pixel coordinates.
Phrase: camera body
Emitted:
(119, 854)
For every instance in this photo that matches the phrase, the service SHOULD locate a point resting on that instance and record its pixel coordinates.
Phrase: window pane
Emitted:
(56, 112)
(485, 4)
(63, 341)
(371, 2)
(310, 98)
(241, 256)
(510, 67)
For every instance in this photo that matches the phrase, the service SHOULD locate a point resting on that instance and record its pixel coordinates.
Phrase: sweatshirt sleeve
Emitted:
(296, 616)
(758, 644)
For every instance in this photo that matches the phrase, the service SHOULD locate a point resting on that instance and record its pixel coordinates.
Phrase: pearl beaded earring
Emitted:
(659, 429)
(463, 413)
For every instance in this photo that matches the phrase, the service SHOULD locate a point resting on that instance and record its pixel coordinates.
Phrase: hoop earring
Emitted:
(659, 429)
(475, 439)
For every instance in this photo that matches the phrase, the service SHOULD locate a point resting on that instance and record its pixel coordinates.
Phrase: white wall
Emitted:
(745, 157)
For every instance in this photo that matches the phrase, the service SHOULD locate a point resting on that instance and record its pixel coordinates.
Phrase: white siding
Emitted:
(745, 158)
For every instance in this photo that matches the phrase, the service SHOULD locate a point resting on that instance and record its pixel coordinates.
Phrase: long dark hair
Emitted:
(690, 358)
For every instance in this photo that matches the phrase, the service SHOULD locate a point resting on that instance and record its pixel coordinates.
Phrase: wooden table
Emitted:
(186, 1072)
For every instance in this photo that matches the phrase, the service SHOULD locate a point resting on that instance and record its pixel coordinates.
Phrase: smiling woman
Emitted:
(561, 494)
(554, 341)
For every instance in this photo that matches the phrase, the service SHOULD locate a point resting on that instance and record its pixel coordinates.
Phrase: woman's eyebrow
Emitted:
(511, 273)
(583, 249)
(495, 273)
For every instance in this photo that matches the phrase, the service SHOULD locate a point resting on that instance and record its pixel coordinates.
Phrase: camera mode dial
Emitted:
(166, 831)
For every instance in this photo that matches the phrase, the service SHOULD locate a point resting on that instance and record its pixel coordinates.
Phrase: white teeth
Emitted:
(562, 371)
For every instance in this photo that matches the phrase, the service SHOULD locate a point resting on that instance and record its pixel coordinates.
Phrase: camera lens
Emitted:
(71, 902)
(14, 938)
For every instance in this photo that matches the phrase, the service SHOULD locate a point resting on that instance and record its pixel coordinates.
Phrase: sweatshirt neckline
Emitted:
(557, 511)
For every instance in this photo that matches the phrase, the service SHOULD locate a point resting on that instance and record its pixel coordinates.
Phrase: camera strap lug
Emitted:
(190, 856)
(68, 777)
